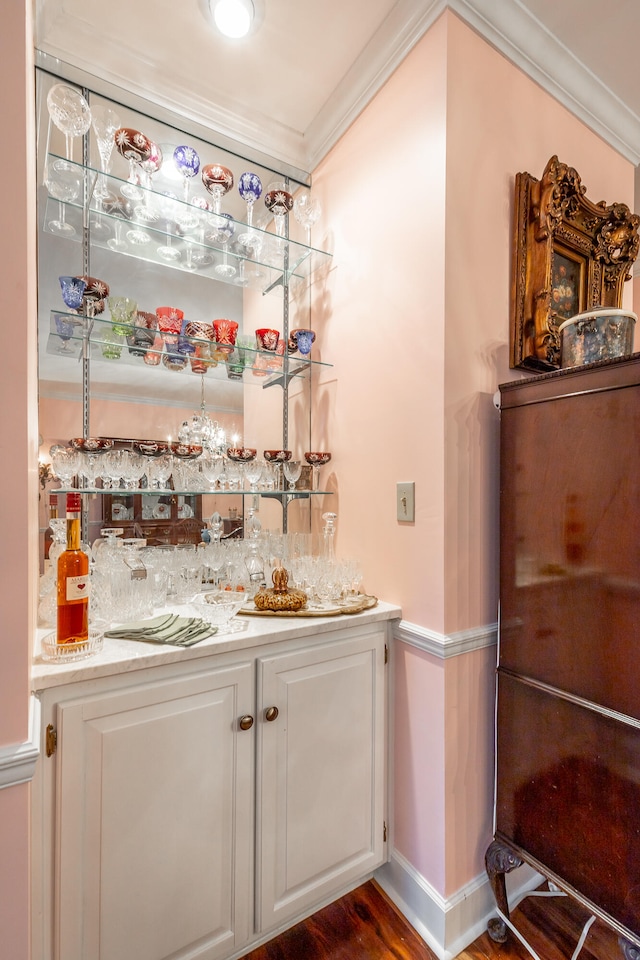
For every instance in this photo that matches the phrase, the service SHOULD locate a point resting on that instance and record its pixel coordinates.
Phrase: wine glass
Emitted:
(307, 211)
(73, 289)
(122, 314)
(147, 211)
(279, 202)
(225, 230)
(253, 473)
(250, 189)
(168, 211)
(105, 121)
(292, 470)
(135, 147)
(159, 472)
(211, 470)
(64, 329)
(217, 180)
(187, 163)
(119, 208)
(70, 113)
(63, 182)
(66, 463)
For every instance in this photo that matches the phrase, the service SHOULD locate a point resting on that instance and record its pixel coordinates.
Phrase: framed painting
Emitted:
(569, 255)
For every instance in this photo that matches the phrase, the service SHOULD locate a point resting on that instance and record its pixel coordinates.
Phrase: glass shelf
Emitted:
(265, 266)
(68, 332)
(151, 491)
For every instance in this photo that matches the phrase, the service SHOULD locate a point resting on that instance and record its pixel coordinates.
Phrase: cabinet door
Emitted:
(321, 773)
(154, 820)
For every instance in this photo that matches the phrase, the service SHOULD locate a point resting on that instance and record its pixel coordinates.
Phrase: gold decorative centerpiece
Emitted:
(280, 597)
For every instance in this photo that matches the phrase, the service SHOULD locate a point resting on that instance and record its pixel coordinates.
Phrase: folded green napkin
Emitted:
(168, 628)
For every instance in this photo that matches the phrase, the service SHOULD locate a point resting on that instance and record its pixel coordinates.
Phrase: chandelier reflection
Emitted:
(202, 431)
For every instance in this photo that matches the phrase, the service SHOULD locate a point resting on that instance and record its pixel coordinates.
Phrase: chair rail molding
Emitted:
(18, 760)
(446, 645)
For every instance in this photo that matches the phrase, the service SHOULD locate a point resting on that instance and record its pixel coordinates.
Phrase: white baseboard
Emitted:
(18, 760)
(447, 925)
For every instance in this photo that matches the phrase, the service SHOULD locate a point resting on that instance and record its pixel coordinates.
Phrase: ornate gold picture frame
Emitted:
(569, 255)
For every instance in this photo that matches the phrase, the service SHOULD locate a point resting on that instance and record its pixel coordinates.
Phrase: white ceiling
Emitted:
(291, 88)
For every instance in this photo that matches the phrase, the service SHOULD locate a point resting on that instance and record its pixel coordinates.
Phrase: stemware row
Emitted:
(159, 466)
(72, 115)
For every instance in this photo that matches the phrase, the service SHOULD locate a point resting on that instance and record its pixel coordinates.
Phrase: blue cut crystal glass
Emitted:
(73, 289)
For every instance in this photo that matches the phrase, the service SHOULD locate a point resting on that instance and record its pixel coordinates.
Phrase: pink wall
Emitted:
(380, 320)
(499, 122)
(18, 445)
(415, 315)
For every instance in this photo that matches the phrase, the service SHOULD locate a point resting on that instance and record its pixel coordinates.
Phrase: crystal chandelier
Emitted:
(202, 431)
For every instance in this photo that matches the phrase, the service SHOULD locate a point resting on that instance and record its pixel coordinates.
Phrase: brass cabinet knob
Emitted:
(271, 713)
(246, 722)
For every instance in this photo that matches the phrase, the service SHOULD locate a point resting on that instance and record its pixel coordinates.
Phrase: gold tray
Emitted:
(362, 602)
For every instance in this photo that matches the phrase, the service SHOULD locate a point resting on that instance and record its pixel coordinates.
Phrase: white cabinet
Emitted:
(320, 772)
(154, 819)
(167, 824)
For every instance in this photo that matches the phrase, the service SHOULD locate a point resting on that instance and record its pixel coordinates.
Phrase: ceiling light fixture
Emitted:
(233, 18)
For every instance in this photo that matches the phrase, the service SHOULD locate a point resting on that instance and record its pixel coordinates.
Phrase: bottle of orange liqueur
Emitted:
(73, 581)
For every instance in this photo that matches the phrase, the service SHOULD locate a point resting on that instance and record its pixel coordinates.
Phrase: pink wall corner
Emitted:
(18, 445)
(381, 319)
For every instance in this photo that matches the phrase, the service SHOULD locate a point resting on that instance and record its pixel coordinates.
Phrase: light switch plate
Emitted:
(406, 502)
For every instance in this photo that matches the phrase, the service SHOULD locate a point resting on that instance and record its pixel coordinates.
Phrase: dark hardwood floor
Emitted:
(365, 925)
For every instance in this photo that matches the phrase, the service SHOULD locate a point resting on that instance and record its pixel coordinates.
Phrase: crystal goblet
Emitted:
(122, 310)
(159, 471)
(307, 211)
(148, 211)
(167, 251)
(105, 121)
(73, 289)
(63, 182)
(225, 230)
(70, 113)
(135, 147)
(217, 180)
(253, 474)
(279, 202)
(292, 470)
(66, 463)
(64, 329)
(119, 208)
(250, 189)
(187, 163)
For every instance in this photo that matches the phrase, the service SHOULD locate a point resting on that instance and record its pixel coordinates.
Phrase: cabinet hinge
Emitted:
(50, 740)
(386, 653)
(384, 831)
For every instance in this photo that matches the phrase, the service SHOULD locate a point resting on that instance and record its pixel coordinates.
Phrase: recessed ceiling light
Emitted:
(233, 18)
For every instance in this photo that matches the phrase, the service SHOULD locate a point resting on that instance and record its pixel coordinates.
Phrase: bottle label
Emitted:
(77, 588)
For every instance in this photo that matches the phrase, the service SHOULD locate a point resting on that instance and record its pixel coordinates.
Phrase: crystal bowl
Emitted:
(91, 444)
(241, 454)
(317, 458)
(277, 456)
(219, 606)
(185, 451)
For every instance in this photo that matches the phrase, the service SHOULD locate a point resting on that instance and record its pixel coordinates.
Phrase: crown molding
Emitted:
(515, 32)
(506, 24)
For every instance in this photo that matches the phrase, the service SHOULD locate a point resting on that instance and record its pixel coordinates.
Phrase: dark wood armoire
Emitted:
(568, 687)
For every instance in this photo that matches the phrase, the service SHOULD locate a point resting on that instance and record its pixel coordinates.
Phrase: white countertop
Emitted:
(123, 656)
